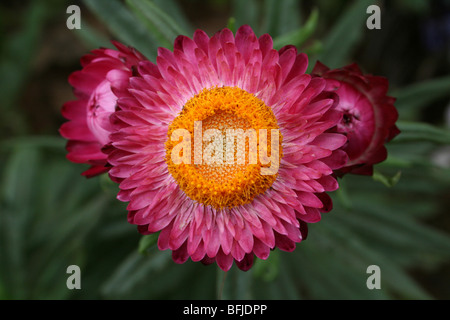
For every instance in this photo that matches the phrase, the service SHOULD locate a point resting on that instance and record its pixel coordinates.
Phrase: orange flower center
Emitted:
(224, 148)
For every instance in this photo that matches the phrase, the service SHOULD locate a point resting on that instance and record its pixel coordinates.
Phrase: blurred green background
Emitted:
(51, 217)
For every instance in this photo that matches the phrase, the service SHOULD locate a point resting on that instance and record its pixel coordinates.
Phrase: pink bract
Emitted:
(277, 218)
(89, 126)
(369, 115)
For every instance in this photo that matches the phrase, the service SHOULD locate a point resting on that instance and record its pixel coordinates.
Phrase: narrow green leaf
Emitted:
(270, 18)
(298, 37)
(417, 235)
(386, 180)
(416, 154)
(147, 242)
(133, 271)
(52, 142)
(246, 12)
(233, 284)
(221, 277)
(107, 185)
(286, 283)
(268, 269)
(393, 161)
(173, 8)
(395, 280)
(313, 49)
(376, 223)
(124, 25)
(91, 37)
(417, 96)
(17, 192)
(343, 196)
(345, 34)
(280, 17)
(161, 25)
(16, 56)
(17, 187)
(417, 131)
(232, 24)
(121, 281)
(289, 16)
(3, 294)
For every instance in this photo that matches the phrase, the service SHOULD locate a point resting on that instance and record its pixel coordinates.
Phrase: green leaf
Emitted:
(16, 193)
(246, 12)
(158, 23)
(313, 49)
(107, 185)
(233, 284)
(345, 34)
(389, 233)
(51, 142)
(417, 131)
(280, 17)
(417, 96)
(384, 179)
(413, 98)
(16, 57)
(268, 270)
(342, 195)
(134, 271)
(298, 37)
(147, 242)
(232, 24)
(91, 37)
(289, 16)
(287, 286)
(354, 248)
(415, 154)
(124, 25)
(173, 8)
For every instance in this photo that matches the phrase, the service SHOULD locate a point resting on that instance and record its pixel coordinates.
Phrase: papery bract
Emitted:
(369, 115)
(89, 126)
(216, 213)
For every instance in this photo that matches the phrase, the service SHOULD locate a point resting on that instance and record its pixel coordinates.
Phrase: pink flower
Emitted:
(217, 211)
(369, 116)
(89, 127)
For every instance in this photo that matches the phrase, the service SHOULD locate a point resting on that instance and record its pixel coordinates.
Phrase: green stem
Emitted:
(221, 276)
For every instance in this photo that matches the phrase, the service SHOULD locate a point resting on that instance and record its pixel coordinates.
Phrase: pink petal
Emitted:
(180, 255)
(224, 261)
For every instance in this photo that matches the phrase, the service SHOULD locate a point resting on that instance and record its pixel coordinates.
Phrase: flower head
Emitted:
(369, 115)
(89, 126)
(222, 147)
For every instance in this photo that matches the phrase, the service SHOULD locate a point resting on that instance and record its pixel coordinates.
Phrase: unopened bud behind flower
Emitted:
(369, 116)
(105, 72)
